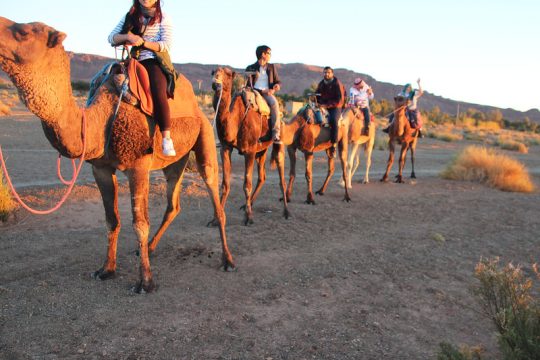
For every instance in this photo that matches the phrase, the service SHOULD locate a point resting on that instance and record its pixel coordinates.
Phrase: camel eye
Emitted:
(21, 32)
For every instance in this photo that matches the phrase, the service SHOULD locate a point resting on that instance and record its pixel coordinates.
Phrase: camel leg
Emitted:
(260, 158)
(139, 183)
(225, 152)
(226, 164)
(207, 165)
(343, 158)
(368, 150)
(390, 160)
(292, 172)
(249, 162)
(329, 174)
(352, 163)
(413, 149)
(402, 157)
(309, 172)
(108, 187)
(174, 174)
(282, 183)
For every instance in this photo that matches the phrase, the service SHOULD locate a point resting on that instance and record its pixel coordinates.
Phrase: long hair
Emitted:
(135, 15)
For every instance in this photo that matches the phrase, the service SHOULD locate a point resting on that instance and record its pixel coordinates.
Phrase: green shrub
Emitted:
(506, 298)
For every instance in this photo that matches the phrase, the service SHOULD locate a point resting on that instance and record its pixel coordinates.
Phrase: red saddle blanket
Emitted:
(139, 85)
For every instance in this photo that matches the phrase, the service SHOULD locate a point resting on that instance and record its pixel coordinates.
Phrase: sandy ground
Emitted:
(386, 276)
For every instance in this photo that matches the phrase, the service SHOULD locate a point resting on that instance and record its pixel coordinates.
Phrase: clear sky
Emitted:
(478, 51)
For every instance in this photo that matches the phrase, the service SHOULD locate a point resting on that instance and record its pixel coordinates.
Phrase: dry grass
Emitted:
(487, 166)
(445, 133)
(4, 109)
(7, 205)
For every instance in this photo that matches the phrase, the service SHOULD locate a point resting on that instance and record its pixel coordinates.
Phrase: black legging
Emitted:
(158, 85)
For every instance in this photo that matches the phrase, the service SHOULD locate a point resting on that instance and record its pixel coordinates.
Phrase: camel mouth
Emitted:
(217, 85)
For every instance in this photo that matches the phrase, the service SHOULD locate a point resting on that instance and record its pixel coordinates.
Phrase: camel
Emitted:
(310, 138)
(240, 127)
(357, 138)
(401, 132)
(33, 56)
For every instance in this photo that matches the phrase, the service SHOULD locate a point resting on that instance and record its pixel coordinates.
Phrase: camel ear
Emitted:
(55, 38)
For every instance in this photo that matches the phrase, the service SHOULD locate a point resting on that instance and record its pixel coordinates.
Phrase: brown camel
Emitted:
(310, 138)
(401, 132)
(34, 58)
(357, 138)
(241, 127)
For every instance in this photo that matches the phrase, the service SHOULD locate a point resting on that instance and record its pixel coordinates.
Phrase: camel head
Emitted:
(26, 44)
(222, 79)
(399, 101)
(34, 58)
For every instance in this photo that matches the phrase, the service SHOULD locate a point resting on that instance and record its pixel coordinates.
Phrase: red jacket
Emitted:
(332, 94)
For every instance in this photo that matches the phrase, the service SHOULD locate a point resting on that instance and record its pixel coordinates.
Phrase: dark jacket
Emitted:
(332, 94)
(273, 77)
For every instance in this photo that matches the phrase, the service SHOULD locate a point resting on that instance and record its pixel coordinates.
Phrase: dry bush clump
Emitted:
(445, 133)
(487, 166)
(7, 205)
(509, 142)
(4, 109)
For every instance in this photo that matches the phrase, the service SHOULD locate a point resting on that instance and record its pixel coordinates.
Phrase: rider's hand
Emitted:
(276, 88)
(135, 40)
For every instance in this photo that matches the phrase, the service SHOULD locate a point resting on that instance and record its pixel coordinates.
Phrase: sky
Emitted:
(477, 51)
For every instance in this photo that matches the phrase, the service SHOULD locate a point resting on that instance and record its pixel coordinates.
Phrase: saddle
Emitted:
(320, 116)
(256, 101)
(138, 92)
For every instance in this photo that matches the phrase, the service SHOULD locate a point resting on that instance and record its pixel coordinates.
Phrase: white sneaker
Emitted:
(168, 147)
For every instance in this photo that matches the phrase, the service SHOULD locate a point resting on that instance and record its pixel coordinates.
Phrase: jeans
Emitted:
(333, 117)
(274, 111)
(367, 116)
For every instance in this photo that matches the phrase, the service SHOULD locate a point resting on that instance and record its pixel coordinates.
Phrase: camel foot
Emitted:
(229, 266)
(101, 274)
(384, 179)
(310, 201)
(399, 180)
(144, 287)
(213, 223)
(320, 192)
(243, 207)
(347, 198)
(366, 181)
(286, 214)
(413, 176)
(248, 221)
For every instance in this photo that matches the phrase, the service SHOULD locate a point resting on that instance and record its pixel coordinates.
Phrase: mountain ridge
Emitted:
(296, 77)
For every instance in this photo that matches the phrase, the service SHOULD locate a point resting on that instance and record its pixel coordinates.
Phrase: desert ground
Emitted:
(386, 276)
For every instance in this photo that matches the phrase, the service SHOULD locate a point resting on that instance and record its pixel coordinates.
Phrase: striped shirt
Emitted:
(160, 32)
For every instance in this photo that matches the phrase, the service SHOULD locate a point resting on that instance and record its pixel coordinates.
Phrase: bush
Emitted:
(443, 135)
(505, 297)
(7, 205)
(487, 166)
(450, 352)
(4, 109)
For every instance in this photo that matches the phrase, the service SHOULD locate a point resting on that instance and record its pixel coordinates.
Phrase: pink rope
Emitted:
(76, 172)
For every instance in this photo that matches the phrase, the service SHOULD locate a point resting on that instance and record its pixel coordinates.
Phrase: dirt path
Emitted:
(370, 279)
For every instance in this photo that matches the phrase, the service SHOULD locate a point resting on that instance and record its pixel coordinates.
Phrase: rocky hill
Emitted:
(297, 77)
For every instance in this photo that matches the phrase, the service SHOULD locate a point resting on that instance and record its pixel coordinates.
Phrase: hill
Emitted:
(297, 77)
